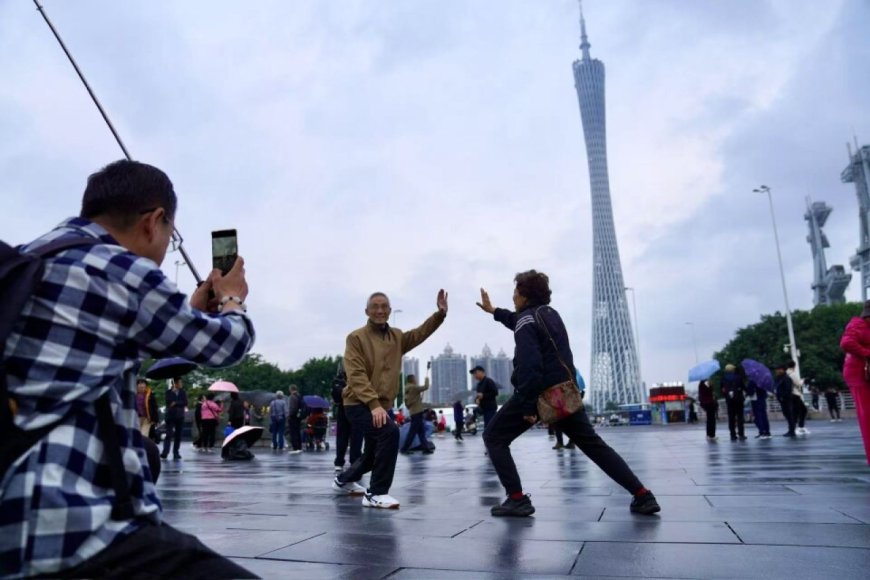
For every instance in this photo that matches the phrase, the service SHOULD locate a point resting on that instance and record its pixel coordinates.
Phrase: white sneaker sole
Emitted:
(368, 504)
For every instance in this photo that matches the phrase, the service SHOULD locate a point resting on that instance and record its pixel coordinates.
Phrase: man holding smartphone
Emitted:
(101, 308)
(373, 361)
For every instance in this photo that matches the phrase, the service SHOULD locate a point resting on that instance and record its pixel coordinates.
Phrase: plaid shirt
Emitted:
(99, 311)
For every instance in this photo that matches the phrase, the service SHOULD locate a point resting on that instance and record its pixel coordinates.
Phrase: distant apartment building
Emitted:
(411, 366)
(449, 376)
(499, 368)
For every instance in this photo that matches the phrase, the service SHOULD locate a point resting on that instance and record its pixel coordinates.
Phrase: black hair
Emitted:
(234, 396)
(534, 286)
(124, 190)
(141, 380)
(412, 379)
(209, 396)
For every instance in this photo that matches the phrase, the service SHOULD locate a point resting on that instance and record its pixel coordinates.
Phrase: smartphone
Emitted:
(224, 249)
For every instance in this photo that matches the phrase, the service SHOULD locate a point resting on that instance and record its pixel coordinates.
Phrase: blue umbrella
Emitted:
(703, 371)
(315, 402)
(758, 373)
(169, 368)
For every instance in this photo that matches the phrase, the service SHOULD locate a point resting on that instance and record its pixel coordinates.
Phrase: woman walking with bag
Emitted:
(545, 389)
(856, 344)
(210, 413)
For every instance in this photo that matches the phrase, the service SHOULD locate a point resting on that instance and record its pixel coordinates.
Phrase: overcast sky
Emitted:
(411, 145)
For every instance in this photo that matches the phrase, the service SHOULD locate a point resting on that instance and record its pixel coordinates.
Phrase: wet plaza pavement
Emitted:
(754, 509)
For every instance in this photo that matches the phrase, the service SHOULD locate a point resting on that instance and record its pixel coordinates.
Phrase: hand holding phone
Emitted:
(224, 250)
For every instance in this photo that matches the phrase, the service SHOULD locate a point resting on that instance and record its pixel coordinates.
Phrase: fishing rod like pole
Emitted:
(177, 240)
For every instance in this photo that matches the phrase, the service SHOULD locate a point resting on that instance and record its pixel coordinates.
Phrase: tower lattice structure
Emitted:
(615, 372)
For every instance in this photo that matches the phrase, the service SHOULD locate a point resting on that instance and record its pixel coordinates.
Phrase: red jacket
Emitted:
(856, 344)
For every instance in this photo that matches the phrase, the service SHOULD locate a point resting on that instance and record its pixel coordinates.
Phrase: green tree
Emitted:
(817, 333)
(316, 375)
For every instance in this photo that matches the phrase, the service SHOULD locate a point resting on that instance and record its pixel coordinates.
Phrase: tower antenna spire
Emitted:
(584, 40)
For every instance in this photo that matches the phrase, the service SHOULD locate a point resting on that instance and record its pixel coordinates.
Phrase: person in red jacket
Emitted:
(856, 344)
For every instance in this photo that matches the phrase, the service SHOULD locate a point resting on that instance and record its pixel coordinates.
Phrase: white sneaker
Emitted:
(349, 488)
(338, 469)
(294, 451)
(380, 501)
(833, 420)
(805, 431)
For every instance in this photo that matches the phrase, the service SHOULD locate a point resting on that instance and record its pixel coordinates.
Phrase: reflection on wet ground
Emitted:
(756, 509)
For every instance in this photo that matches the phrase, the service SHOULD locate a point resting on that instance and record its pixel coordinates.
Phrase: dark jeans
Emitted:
(800, 410)
(788, 412)
(209, 427)
(710, 410)
(488, 414)
(735, 416)
(346, 436)
(833, 405)
(295, 427)
(418, 429)
(153, 455)
(157, 552)
(759, 412)
(174, 426)
(508, 424)
(276, 427)
(381, 449)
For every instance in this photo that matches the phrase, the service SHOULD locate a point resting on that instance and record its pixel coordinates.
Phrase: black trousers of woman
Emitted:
(508, 424)
(710, 410)
(208, 429)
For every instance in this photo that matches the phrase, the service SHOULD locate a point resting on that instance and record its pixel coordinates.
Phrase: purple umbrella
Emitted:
(169, 368)
(758, 373)
(315, 402)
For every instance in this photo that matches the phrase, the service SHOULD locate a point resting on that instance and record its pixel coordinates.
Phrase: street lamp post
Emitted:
(694, 341)
(791, 340)
(636, 329)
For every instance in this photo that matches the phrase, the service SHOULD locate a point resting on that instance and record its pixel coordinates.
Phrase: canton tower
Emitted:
(615, 372)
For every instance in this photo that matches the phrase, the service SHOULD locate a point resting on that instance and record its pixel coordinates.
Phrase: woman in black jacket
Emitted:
(236, 414)
(542, 357)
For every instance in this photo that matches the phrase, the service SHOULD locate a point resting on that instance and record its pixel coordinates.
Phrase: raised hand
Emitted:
(485, 303)
(441, 301)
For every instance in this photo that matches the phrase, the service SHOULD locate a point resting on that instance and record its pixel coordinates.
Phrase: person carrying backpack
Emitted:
(70, 360)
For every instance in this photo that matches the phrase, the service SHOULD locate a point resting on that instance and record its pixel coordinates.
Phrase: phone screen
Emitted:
(224, 249)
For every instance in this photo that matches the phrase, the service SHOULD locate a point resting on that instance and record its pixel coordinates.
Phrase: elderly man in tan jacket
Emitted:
(373, 361)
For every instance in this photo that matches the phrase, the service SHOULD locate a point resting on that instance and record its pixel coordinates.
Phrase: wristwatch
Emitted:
(235, 299)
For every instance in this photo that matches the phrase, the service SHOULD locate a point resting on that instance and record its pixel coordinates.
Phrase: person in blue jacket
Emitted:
(542, 358)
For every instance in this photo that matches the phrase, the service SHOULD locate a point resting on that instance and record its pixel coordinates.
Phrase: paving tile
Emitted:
(828, 535)
(721, 561)
(634, 531)
(509, 554)
(243, 544)
(284, 569)
(822, 515)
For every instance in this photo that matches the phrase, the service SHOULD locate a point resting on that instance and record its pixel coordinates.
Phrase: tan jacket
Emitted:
(373, 361)
(414, 396)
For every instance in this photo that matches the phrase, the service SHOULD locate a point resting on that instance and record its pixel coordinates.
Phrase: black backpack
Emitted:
(20, 275)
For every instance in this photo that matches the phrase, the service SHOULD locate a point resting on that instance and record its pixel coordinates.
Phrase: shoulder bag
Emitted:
(559, 401)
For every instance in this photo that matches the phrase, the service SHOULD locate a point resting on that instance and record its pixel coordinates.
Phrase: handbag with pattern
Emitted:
(562, 400)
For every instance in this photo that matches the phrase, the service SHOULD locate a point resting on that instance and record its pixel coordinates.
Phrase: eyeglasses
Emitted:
(175, 240)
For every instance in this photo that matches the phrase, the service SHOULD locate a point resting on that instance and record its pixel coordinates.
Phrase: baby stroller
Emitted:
(318, 424)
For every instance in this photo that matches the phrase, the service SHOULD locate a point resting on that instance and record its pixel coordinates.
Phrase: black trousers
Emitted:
(800, 410)
(735, 416)
(174, 426)
(346, 436)
(381, 450)
(833, 405)
(417, 428)
(157, 552)
(788, 412)
(710, 410)
(294, 425)
(488, 414)
(508, 424)
(209, 426)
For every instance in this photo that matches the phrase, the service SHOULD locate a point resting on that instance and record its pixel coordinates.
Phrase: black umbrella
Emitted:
(169, 368)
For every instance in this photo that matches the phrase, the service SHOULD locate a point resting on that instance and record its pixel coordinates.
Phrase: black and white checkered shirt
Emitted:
(99, 312)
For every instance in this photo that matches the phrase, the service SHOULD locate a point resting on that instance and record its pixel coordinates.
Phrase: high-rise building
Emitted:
(411, 366)
(499, 368)
(858, 172)
(829, 284)
(615, 372)
(449, 376)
